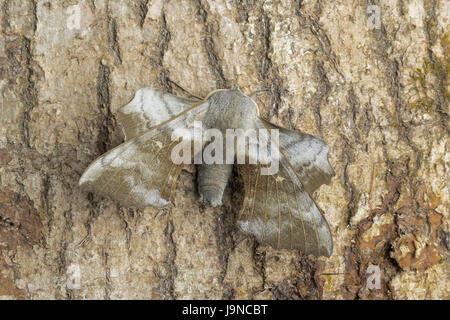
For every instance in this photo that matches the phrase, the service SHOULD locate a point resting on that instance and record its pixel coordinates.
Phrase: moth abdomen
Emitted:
(212, 180)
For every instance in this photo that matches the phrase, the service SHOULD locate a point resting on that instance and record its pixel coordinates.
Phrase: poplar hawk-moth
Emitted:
(278, 209)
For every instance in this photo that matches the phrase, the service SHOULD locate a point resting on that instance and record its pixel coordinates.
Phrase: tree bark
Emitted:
(377, 94)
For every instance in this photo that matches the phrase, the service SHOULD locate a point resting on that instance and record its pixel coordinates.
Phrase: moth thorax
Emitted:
(230, 109)
(212, 180)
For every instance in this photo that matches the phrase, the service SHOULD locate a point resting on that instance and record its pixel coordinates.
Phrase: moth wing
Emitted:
(149, 108)
(139, 172)
(307, 154)
(279, 210)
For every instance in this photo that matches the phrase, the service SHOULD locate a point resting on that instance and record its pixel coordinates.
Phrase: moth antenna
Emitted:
(253, 96)
(186, 91)
(333, 273)
(254, 93)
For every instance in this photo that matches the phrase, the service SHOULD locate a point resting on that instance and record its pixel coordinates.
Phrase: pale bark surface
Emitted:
(378, 97)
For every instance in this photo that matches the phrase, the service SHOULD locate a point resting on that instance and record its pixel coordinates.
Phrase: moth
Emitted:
(278, 209)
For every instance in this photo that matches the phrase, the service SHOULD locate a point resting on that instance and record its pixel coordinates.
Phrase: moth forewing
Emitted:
(140, 172)
(290, 218)
(149, 108)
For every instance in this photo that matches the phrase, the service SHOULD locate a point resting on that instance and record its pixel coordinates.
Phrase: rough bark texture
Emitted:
(378, 97)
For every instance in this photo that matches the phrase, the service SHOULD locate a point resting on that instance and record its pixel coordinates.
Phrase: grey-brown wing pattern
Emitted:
(279, 210)
(140, 172)
(307, 154)
(149, 108)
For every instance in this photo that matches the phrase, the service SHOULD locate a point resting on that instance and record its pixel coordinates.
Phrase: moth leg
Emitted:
(212, 180)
